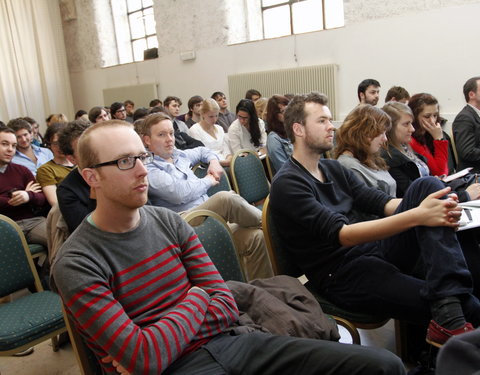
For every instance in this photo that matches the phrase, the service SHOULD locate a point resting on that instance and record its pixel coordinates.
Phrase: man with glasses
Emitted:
(148, 299)
(118, 111)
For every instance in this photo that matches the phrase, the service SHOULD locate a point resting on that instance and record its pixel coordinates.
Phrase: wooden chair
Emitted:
(87, 362)
(249, 178)
(217, 239)
(283, 265)
(35, 317)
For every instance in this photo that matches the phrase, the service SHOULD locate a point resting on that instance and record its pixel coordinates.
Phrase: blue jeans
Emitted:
(384, 277)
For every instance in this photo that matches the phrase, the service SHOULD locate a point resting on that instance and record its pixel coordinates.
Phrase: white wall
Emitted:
(431, 51)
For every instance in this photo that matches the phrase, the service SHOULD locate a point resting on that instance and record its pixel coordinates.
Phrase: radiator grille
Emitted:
(322, 78)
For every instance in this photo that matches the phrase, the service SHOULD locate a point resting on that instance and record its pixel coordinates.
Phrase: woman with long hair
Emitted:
(359, 141)
(279, 147)
(405, 164)
(209, 133)
(247, 131)
(428, 139)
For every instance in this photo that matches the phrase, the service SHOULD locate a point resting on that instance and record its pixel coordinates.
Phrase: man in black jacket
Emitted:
(466, 127)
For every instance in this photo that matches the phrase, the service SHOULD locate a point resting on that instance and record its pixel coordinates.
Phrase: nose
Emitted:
(140, 168)
(411, 128)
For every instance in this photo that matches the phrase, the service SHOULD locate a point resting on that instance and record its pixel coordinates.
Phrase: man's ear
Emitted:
(298, 129)
(362, 97)
(146, 140)
(90, 176)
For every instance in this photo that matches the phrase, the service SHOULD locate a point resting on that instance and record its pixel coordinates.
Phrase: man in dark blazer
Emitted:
(466, 127)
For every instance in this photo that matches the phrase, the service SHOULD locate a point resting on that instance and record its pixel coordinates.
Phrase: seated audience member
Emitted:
(58, 118)
(405, 165)
(279, 147)
(367, 266)
(160, 305)
(118, 111)
(155, 103)
(173, 185)
(130, 108)
(253, 95)
(171, 106)
(359, 141)
(225, 117)
(209, 133)
(75, 198)
(20, 195)
(261, 108)
(37, 138)
(27, 154)
(466, 127)
(247, 131)
(81, 114)
(427, 139)
(98, 114)
(193, 115)
(397, 94)
(140, 113)
(368, 91)
(52, 173)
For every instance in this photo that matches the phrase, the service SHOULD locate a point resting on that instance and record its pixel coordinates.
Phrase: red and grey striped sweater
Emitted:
(131, 294)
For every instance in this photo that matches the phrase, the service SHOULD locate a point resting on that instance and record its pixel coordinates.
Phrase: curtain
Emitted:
(34, 79)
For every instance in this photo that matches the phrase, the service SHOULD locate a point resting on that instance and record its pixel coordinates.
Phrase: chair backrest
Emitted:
(201, 171)
(217, 239)
(17, 268)
(282, 262)
(85, 358)
(249, 179)
(270, 169)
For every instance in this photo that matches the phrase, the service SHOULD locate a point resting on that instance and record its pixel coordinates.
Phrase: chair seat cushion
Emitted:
(29, 318)
(36, 248)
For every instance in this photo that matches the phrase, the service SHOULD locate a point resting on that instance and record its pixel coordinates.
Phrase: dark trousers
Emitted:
(384, 276)
(264, 354)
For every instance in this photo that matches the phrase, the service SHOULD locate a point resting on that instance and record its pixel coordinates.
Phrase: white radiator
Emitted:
(322, 78)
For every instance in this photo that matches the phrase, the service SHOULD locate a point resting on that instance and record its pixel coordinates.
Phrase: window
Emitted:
(134, 28)
(287, 17)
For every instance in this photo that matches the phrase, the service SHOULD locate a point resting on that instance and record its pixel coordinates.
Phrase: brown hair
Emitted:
(87, 155)
(417, 103)
(295, 111)
(395, 111)
(152, 120)
(274, 124)
(361, 125)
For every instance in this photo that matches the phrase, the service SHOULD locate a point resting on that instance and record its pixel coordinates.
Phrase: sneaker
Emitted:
(437, 335)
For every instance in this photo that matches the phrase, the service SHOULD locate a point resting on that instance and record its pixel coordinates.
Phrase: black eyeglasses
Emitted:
(128, 162)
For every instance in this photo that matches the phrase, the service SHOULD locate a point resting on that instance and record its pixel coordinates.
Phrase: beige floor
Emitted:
(45, 362)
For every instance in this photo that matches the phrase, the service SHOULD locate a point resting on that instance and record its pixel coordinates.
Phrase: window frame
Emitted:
(290, 5)
(145, 35)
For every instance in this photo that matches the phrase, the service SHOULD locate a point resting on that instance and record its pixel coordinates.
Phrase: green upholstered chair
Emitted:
(283, 265)
(249, 179)
(200, 171)
(87, 362)
(30, 319)
(217, 239)
(37, 250)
